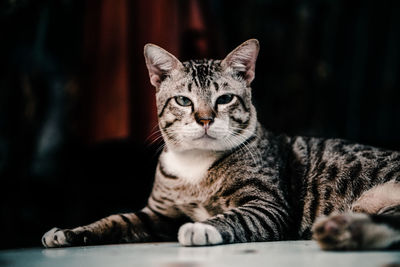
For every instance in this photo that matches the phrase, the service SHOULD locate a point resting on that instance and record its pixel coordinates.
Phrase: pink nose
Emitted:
(205, 123)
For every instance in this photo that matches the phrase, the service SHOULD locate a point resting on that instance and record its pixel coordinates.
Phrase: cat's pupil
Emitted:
(224, 99)
(183, 101)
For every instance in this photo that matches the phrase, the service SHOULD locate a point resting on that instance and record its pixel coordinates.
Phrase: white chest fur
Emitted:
(190, 166)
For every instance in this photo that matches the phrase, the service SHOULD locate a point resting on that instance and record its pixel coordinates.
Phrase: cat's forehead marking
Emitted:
(202, 72)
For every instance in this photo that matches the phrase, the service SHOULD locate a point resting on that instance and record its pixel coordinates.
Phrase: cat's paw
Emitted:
(198, 234)
(55, 238)
(68, 237)
(340, 232)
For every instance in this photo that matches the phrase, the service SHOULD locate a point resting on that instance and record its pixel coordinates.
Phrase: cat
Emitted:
(222, 178)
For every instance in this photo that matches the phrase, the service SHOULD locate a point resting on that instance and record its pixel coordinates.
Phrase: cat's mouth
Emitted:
(205, 136)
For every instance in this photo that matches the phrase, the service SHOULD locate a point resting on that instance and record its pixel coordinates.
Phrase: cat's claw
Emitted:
(54, 238)
(198, 234)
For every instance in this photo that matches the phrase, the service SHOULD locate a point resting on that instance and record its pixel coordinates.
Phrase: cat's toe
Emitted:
(198, 234)
(54, 238)
(339, 232)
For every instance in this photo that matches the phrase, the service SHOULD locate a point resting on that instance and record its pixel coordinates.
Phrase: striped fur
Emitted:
(223, 178)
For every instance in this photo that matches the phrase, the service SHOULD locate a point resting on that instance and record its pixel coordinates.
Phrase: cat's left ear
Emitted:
(160, 63)
(242, 60)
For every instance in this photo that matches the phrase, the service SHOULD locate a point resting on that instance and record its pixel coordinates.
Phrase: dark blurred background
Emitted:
(77, 110)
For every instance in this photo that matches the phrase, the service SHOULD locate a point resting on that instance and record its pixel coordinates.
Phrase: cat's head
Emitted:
(204, 104)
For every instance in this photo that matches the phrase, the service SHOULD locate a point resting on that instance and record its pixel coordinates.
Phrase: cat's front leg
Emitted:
(249, 223)
(142, 226)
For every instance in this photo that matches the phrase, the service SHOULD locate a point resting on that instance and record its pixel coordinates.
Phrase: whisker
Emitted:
(160, 148)
(244, 144)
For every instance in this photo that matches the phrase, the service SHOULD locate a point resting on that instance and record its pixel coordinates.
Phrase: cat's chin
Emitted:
(205, 143)
(200, 144)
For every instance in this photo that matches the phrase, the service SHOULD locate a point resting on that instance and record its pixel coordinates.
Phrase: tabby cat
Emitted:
(222, 178)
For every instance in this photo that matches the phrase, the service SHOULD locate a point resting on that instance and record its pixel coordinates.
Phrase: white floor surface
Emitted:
(288, 253)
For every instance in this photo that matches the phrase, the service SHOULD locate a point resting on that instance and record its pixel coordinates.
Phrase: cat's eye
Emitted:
(224, 99)
(183, 101)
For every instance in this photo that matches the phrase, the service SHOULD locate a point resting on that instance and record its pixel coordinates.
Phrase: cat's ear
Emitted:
(160, 63)
(242, 60)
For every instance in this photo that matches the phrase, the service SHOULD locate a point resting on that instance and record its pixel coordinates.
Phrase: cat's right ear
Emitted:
(160, 63)
(242, 60)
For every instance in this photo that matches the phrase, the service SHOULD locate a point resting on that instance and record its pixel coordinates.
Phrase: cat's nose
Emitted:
(205, 117)
(205, 122)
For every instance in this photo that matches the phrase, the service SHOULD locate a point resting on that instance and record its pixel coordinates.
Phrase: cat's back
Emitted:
(328, 175)
(333, 159)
